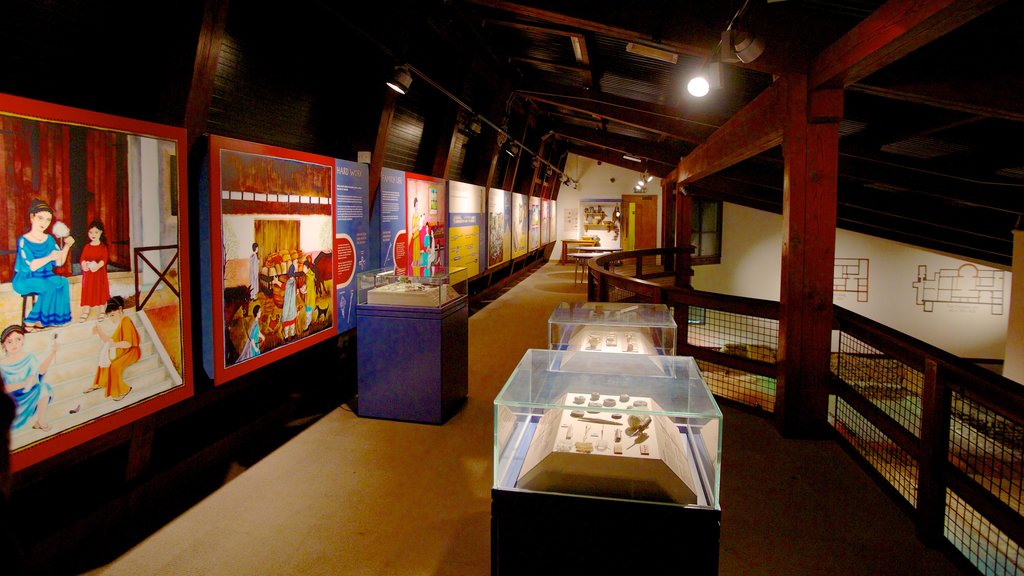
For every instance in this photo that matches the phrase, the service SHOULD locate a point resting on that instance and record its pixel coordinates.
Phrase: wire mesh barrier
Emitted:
(989, 549)
(944, 434)
(749, 389)
(894, 464)
(989, 448)
(888, 383)
(898, 398)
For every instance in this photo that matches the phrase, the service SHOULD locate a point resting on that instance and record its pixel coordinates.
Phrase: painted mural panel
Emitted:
(519, 224)
(499, 226)
(545, 221)
(426, 220)
(94, 277)
(465, 224)
(271, 230)
(534, 232)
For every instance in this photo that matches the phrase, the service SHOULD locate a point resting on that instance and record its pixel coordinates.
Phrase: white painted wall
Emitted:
(595, 181)
(752, 267)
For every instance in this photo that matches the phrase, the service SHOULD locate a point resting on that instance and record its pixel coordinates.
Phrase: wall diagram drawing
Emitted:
(967, 284)
(851, 275)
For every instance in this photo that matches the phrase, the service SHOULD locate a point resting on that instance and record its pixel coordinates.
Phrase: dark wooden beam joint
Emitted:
(825, 106)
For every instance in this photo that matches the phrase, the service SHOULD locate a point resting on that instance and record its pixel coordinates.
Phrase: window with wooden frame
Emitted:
(706, 231)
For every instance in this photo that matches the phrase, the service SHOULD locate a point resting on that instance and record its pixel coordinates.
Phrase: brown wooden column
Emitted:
(810, 145)
(204, 70)
(387, 113)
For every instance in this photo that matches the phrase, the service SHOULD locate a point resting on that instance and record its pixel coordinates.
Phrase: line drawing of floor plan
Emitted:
(967, 284)
(851, 275)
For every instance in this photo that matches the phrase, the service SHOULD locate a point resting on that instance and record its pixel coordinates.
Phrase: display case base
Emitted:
(412, 361)
(540, 532)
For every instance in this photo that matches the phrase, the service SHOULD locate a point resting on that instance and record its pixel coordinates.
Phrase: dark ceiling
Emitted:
(928, 149)
(930, 118)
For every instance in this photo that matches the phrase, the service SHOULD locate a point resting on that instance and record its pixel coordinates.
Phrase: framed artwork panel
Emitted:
(269, 278)
(94, 273)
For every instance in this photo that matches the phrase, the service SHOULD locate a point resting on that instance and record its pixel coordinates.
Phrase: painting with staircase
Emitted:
(94, 277)
(73, 370)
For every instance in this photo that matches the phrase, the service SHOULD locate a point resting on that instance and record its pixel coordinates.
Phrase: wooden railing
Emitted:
(944, 436)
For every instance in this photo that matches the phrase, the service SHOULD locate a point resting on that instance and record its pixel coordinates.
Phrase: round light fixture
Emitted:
(698, 86)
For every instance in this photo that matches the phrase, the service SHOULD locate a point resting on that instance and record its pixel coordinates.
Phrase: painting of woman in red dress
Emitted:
(95, 284)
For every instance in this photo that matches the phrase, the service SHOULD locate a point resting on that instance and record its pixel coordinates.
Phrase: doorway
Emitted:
(639, 221)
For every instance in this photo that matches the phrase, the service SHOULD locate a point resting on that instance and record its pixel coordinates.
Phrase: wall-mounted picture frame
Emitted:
(520, 224)
(499, 226)
(270, 271)
(466, 227)
(426, 220)
(534, 226)
(94, 273)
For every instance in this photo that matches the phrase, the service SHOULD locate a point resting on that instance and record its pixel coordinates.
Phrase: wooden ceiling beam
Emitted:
(754, 129)
(896, 29)
(576, 22)
(663, 155)
(651, 121)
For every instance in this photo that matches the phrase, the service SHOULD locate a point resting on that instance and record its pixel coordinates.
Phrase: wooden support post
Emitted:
(811, 152)
(931, 480)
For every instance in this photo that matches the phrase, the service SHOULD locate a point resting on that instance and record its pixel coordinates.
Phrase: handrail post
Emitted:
(936, 404)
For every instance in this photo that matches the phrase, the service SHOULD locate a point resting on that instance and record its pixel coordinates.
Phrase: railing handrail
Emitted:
(946, 387)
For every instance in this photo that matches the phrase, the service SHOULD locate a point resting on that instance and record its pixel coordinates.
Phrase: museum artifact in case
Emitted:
(413, 347)
(618, 327)
(619, 441)
(383, 286)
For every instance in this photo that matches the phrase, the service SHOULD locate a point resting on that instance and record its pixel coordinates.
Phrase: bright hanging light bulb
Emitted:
(698, 86)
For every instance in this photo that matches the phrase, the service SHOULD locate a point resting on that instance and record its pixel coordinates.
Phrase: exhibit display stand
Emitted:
(611, 465)
(625, 328)
(412, 340)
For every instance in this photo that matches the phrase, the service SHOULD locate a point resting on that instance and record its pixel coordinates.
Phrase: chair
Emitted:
(25, 307)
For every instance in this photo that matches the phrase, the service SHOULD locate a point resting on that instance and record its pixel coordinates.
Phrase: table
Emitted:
(579, 243)
(580, 259)
(597, 249)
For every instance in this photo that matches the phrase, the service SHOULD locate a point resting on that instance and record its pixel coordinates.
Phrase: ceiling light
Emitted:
(631, 158)
(698, 86)
(401, 80)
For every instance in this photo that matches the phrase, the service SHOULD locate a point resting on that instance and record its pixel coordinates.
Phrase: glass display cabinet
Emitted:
(620, 446)
(412, 347)
(618, 327)
(383, 286)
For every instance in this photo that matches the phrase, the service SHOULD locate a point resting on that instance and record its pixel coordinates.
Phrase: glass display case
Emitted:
(384, 287)
(624, 328)
(413, 347)
(613, 430)
(621, 446)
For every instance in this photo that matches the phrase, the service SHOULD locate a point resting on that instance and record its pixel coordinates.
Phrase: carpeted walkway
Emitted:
(357, 496)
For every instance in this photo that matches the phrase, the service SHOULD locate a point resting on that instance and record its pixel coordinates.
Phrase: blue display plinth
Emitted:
(412, 361)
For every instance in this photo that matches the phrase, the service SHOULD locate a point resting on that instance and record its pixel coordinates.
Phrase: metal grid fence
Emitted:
(888, 383)
(894, 464)
(749, 389)
(989, 448)
(984, 545)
